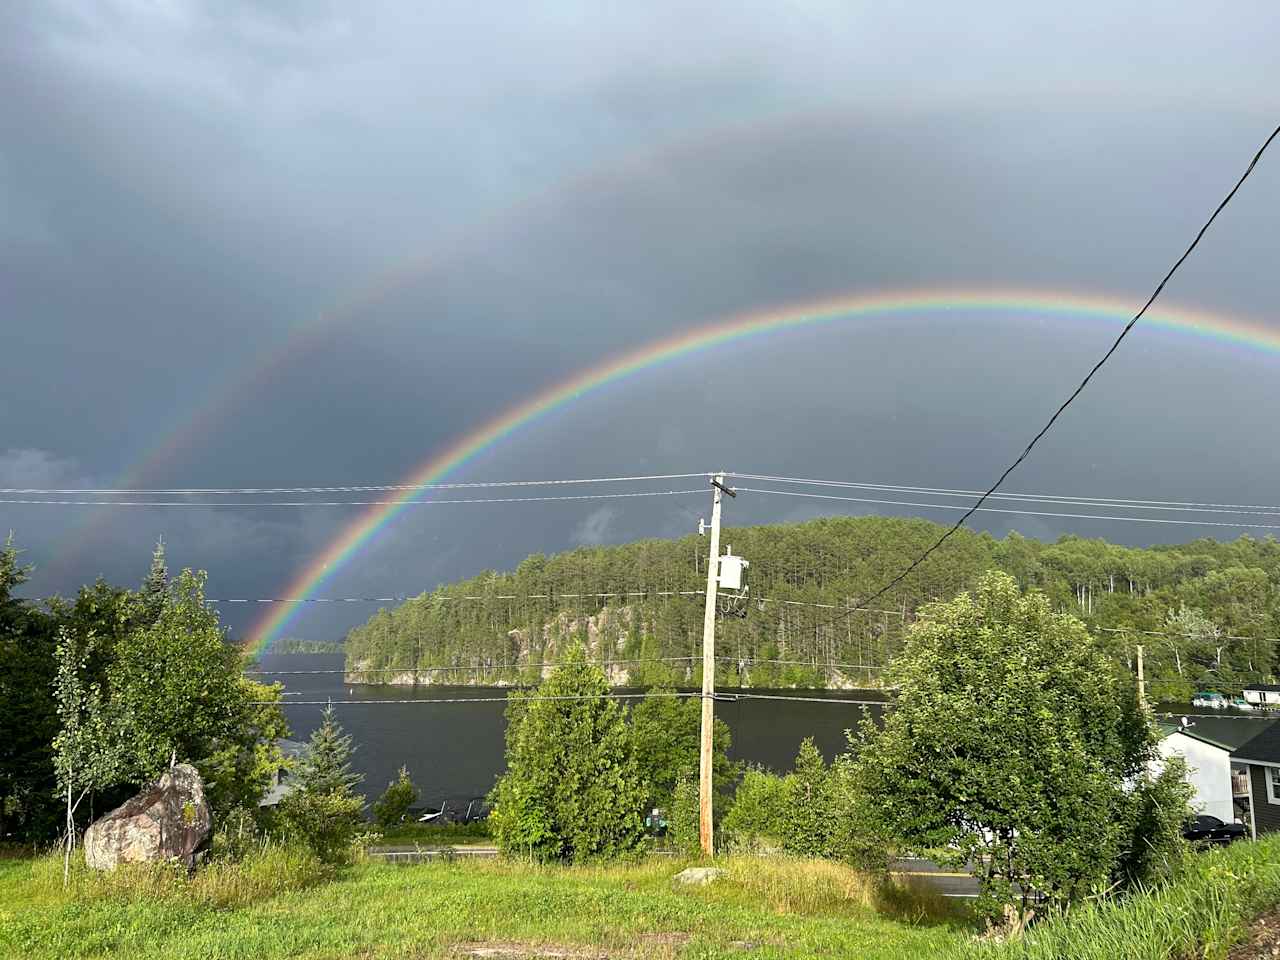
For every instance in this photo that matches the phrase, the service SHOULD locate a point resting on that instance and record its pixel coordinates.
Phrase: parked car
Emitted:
(1208, 829)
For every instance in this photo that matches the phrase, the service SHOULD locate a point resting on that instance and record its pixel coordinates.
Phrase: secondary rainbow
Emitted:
(442, 463)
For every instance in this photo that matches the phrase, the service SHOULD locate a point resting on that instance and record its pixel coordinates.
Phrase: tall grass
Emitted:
(1201, 914)
(271, 868)
(814, 888)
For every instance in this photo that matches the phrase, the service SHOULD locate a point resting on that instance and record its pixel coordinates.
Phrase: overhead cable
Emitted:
(970, 511)
(676, 694)
(1071, 500)
(349, 503)
(350, 488)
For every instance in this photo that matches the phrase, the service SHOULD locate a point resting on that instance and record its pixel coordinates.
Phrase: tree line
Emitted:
(1205, 611)
(101, 693)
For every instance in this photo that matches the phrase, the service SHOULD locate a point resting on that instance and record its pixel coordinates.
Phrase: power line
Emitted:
(357, 488)
(970, 511)
(1083, 383)
(1178, 505)
(347, 503)
(678, 694)
(479, 668)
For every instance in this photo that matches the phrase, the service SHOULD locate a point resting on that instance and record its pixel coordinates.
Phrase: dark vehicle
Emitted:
(1207, 829)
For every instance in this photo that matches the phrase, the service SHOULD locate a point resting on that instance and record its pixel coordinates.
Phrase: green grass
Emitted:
(280, 903)
(786, 908)
(476, 833)
(1201, 915)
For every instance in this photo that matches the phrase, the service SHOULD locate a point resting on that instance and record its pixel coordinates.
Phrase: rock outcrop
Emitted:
(168, 820)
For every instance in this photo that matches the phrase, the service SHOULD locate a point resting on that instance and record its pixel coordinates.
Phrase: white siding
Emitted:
(1208, 770)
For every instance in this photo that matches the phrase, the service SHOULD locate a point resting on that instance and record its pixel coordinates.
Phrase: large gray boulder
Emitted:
(168, 820)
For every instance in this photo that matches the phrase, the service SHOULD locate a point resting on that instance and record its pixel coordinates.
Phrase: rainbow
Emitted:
(739, 327)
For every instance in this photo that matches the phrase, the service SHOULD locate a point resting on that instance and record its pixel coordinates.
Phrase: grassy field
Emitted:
(762, 909)
(282, 904)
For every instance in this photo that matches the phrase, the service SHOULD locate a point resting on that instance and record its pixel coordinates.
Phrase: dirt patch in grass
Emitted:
(520, 950)
(1262, 940)
(647, 945)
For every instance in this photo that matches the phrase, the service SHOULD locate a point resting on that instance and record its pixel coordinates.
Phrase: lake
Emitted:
(454, 751)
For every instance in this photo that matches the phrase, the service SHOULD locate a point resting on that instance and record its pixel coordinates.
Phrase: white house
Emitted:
(1220, 787)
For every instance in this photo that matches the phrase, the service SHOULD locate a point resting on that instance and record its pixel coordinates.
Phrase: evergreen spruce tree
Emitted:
(572, 789)
(324, 810)
(326, 766)
(156, 584)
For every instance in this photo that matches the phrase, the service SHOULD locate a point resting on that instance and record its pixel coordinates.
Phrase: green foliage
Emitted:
(323, 810)
(331, 824)
(294, 645)
(156, 585)
(572, 789)
(326, 765)
(1011, 745)
(148, 675)
(684, 831)
(391, 808)
(758, 815)
(175, 687)
(86, 755)
(666, 739)
(28, 714)
(1153, 849)
(807, 822)
(1201, 913)
(1234, 587)
(854, 834)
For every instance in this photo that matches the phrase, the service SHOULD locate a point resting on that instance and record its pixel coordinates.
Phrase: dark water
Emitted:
(455, 750)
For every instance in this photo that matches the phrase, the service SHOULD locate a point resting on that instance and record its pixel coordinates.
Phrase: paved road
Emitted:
(949, 883)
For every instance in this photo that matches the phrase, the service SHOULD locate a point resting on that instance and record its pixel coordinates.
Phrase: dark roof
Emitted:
(1264, 747)
(1268, 687)
(1225, 732)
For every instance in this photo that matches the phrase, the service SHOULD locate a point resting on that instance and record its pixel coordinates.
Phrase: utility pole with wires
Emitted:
(1142, 685)
(705, 825)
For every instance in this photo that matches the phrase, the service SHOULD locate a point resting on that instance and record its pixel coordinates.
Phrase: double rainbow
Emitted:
(891, 304)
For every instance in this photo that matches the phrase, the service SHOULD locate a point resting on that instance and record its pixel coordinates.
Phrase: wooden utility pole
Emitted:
(1142, 687)
(705, 825)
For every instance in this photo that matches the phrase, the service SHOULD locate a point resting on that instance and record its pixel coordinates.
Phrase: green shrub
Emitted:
(572, 789)
(683, 827)
(391, 808)
(807, 820)
(758, 813)
(330, 824)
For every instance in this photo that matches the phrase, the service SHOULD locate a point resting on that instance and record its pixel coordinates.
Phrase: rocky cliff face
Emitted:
(605, 633)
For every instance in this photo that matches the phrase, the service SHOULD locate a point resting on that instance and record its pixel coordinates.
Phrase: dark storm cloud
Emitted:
(182, 184)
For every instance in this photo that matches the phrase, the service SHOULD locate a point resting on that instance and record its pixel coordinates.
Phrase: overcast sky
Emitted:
(442, 209)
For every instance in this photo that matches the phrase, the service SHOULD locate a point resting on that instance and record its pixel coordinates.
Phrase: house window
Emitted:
(1273, 784)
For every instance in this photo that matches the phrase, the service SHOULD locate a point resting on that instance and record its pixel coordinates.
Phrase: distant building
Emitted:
(1219, 785)
(1262, 695)
(1261, 757)
(281, 786)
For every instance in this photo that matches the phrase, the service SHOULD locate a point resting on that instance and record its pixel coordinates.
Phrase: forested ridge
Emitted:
(1210, 609)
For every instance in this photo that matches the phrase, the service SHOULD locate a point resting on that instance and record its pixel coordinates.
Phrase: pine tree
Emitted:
(324, 810)
(156, 584)
(326, 766)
